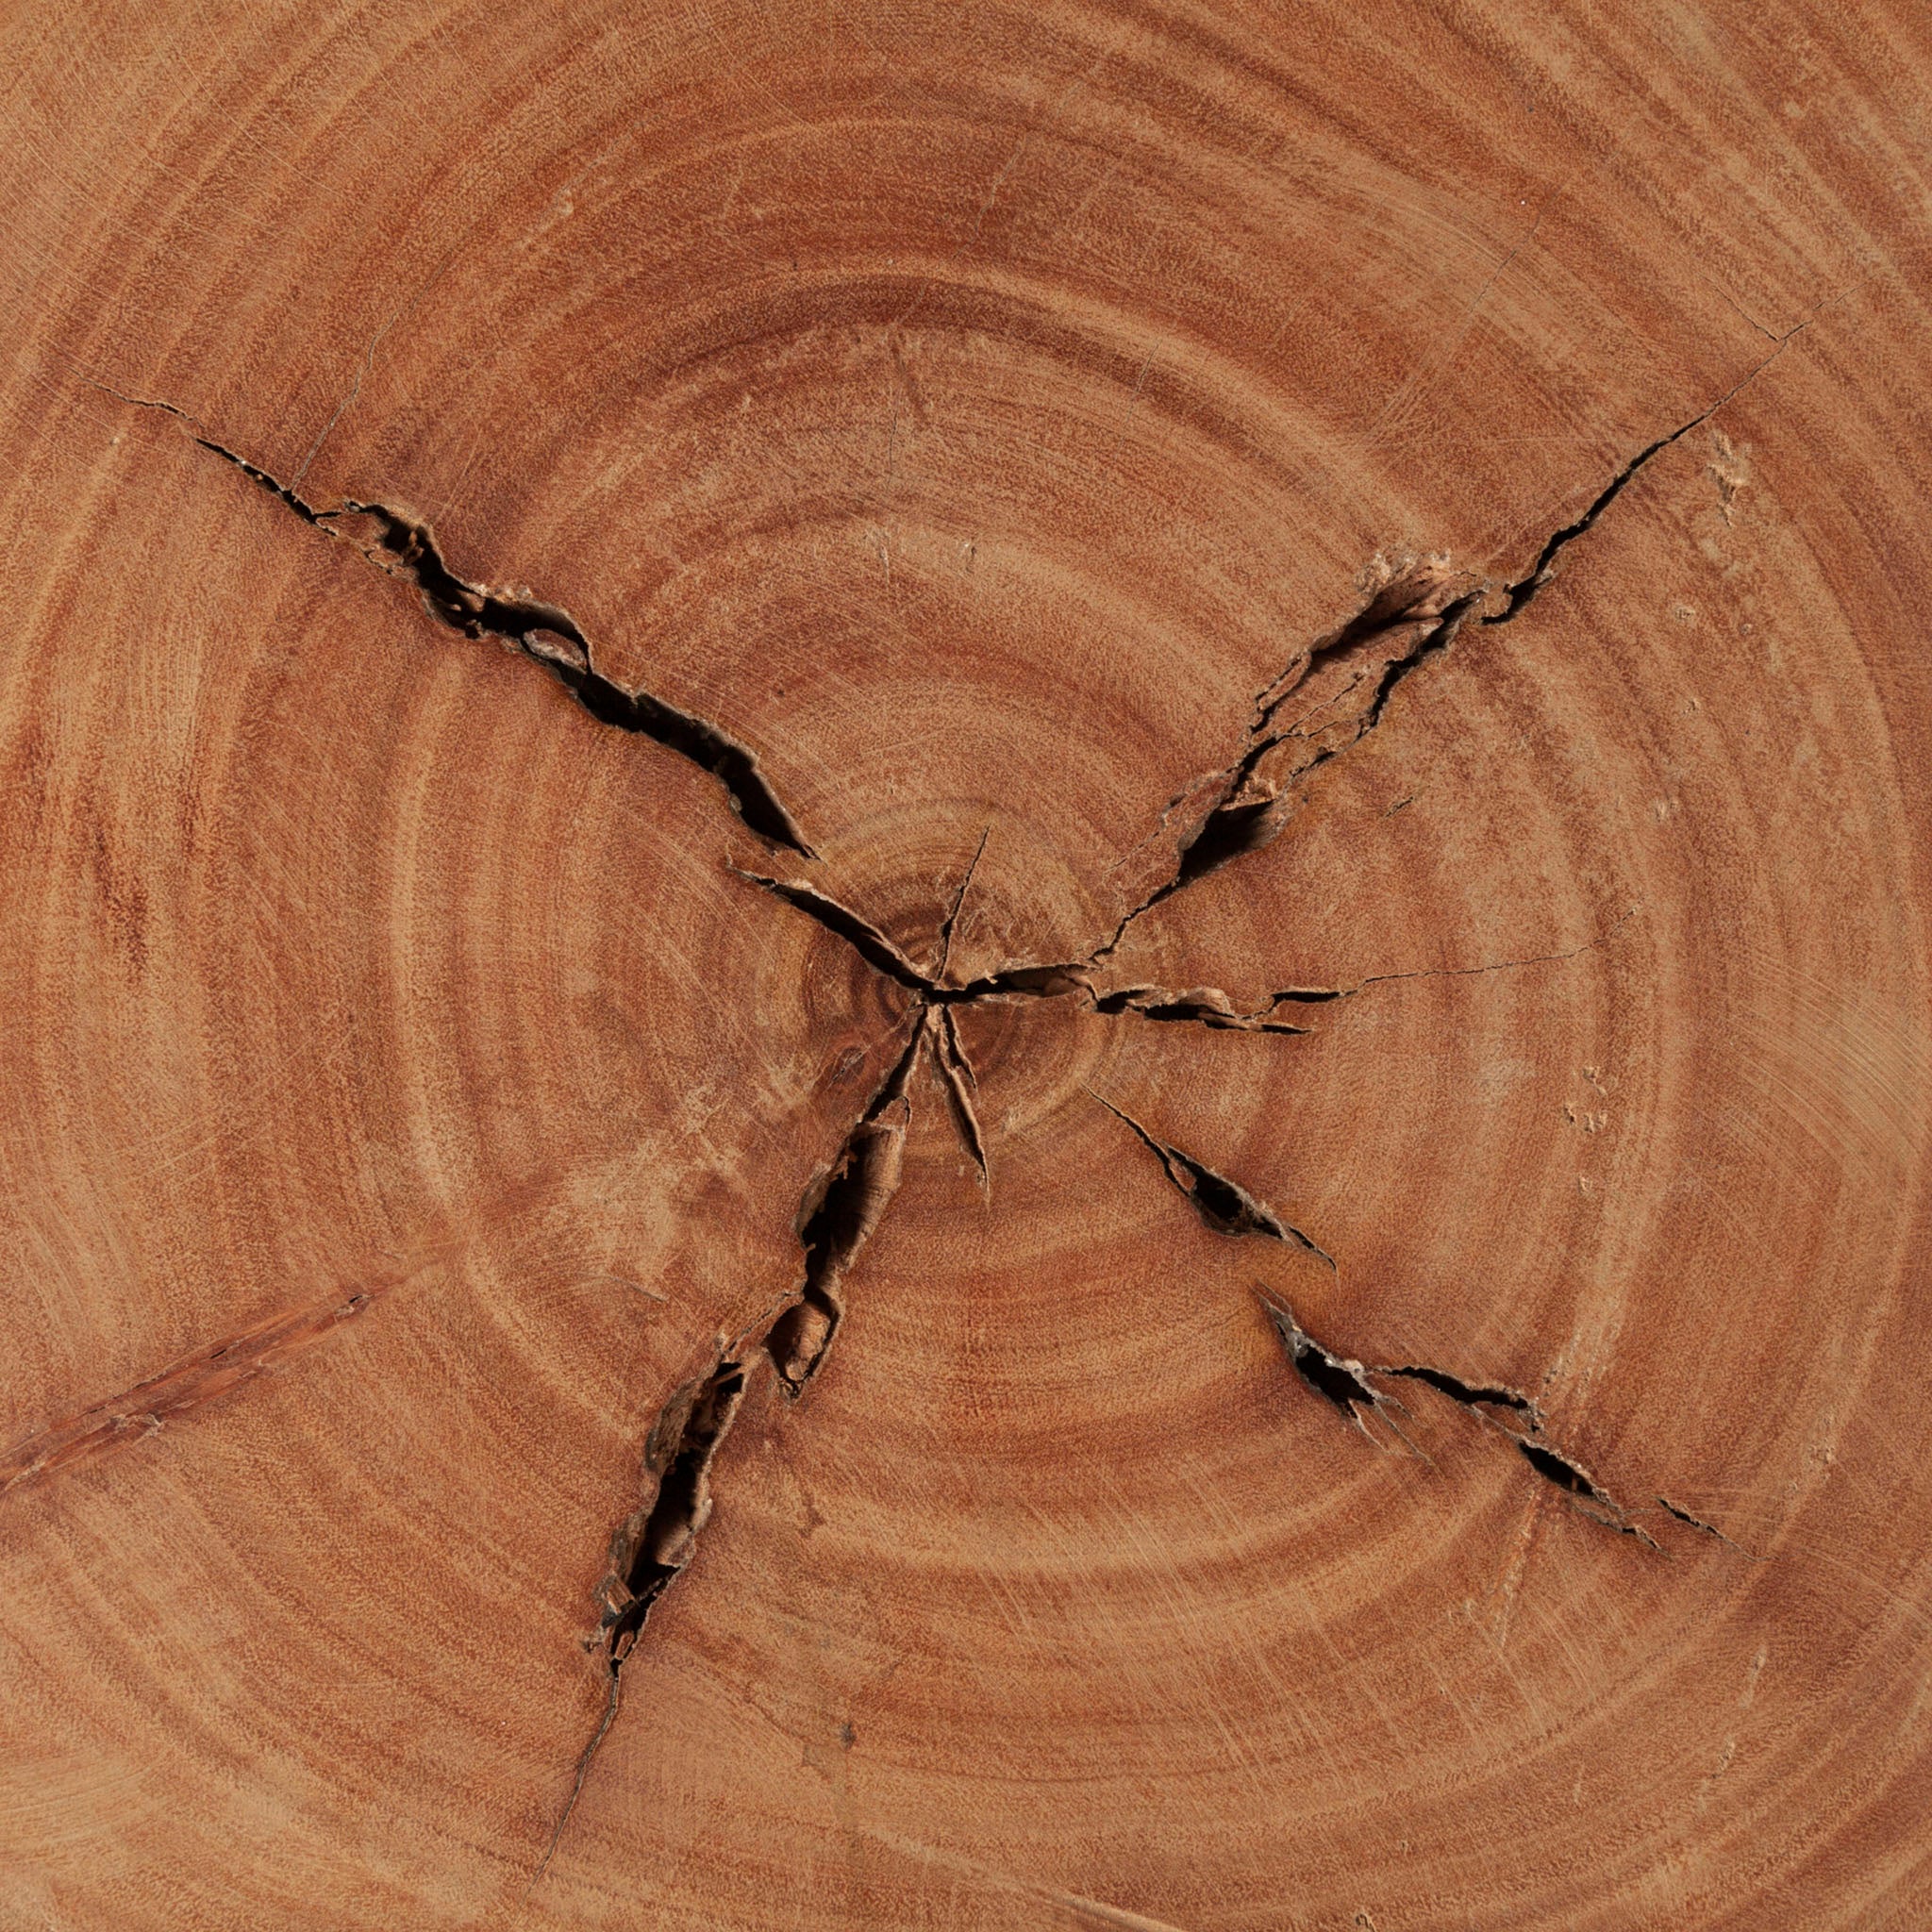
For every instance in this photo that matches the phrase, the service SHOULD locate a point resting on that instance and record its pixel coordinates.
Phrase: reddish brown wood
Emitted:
(966, 967)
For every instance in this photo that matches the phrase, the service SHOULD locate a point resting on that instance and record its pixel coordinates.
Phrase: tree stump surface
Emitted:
(966, 967)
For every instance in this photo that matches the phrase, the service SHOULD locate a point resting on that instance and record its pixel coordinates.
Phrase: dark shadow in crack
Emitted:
(406, 548)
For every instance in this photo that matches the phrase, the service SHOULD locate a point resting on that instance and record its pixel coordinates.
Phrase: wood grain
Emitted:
(966, 967)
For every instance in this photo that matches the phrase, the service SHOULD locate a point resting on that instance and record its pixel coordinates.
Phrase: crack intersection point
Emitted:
(1411, 614)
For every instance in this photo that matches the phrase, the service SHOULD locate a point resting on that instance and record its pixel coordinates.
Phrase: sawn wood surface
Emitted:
(965, 966)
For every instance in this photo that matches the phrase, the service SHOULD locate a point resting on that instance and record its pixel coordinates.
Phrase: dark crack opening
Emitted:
(650, 1550)
(1338, 1380)
(841, 1208)
(1222, 1203)
(1471, 1395)
(1246, 813)
(406, 548)
(1560, 1470)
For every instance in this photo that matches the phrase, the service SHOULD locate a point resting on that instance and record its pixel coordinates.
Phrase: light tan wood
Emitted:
(966, 967)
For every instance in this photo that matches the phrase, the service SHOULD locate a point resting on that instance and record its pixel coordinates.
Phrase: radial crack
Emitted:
(1222, 1204)
(1516, 595)
(1026, 980)
(1342, 683)
(1032, 982)
(864, 938)
(1208, 1006)
(1481, 1398)
(1339, 1380)
(957, 1076)
(1321, 995)
(404, 547)
(1575, 1481)
(652, 1546)
(1342, 1380)
(935, 1003)
(1246, 807)
(1203, 1006)
(1349, 1386)
(654, 1543)
(840, 1208)
(1397, 597)
(1475, 1396)
(1670, 1509)
(952, 911)
(1423, 605)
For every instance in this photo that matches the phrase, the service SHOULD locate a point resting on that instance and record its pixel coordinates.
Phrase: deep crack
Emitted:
(841, 1209)
(1524, 590)
(1200, 1006)
(1249, 807)
(859, 932)
(1247, 803)
(1350, 1386)
(1347, 1384)
(650, 1548)
(1221, 1204)
(404, 547)
(1575, 1481)
(1471, 1395)
(1339, 1380)
(838, 1214)
(1023, 981)
(1411, 614)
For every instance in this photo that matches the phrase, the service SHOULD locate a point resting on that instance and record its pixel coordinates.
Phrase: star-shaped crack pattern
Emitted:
(1332, 695)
